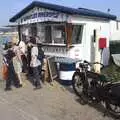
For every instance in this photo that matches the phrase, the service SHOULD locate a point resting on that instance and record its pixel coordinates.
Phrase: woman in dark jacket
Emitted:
(12, 78)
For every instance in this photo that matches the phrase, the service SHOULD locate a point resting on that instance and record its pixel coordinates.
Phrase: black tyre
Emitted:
(113, 109)
(77, 84)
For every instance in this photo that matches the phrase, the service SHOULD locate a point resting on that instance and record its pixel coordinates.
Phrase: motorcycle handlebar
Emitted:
(93, 63)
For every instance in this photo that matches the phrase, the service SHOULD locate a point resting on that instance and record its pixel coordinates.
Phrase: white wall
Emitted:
(89, 26)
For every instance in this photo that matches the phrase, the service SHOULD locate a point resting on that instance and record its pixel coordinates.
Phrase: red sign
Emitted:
(102, 43)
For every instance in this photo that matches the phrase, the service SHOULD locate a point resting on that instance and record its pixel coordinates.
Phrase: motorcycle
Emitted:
(94, 87)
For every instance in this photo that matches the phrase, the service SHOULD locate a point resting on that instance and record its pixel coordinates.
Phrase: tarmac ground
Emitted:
(51, 102)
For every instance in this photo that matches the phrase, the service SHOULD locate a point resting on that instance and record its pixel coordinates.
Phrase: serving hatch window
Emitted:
(55, 33)
(52, 33)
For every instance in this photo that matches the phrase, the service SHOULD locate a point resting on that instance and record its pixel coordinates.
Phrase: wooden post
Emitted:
(46, 74)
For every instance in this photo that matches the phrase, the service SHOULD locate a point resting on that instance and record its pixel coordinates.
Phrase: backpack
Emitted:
(5, 69)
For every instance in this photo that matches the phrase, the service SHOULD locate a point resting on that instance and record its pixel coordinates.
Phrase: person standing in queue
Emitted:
(8, 59)
(17, 63)
(34, 64)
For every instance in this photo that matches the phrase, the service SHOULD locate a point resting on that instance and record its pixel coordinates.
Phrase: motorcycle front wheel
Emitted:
(77, 84)
(113, 109)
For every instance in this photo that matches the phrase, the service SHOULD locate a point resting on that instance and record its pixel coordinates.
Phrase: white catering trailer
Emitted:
(64, 31)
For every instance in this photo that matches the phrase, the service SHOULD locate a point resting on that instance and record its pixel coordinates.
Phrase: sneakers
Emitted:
(19, 86)
(8, 89)
(38, 87)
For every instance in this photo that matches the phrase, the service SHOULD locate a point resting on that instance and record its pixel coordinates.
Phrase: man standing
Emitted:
(35, 63)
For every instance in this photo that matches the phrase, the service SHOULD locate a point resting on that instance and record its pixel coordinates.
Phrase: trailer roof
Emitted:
(63, 9)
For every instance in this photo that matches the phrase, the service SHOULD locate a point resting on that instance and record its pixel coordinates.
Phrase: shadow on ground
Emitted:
(100, 107)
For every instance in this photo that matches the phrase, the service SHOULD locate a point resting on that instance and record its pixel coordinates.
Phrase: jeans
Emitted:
(36, 77)
(12, 78)
(24, 62)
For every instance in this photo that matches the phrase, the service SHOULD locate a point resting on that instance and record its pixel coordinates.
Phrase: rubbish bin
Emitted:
(66, 71)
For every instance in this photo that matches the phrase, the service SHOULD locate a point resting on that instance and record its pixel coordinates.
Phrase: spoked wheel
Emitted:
(77, 84)
(113, 109)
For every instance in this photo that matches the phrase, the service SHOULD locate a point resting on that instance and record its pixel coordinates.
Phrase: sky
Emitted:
(8, 8)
